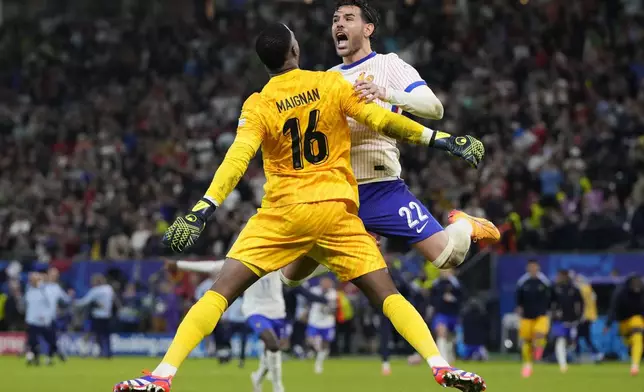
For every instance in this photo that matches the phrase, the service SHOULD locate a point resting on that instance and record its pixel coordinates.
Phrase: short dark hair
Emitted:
(272, 45)
(369, 14)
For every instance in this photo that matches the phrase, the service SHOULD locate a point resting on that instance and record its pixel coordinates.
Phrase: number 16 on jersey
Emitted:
(314, 148)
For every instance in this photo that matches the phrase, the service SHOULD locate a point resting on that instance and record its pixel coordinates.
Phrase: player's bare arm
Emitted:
(185, 230)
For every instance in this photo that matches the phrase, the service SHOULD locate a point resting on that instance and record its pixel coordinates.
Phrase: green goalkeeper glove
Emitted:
(467, 147)
(185, 230)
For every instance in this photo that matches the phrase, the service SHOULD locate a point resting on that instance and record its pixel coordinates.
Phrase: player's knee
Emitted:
(431, 248)
(455, 250)
(441, 330)
(271, 344)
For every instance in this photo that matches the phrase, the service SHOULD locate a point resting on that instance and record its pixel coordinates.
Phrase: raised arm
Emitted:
(401, 128)
(405, 90)
(185, 230)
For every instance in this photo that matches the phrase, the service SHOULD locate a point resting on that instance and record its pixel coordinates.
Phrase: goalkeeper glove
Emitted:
(467, 147)
(185, 230)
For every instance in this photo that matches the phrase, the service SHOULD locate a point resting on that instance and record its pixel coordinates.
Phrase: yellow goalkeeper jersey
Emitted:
(300, 121)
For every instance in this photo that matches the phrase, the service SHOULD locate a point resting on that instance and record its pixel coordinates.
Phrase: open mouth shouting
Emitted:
(341, 40)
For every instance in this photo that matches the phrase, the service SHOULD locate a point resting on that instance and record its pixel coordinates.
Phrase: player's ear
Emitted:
(368, 30)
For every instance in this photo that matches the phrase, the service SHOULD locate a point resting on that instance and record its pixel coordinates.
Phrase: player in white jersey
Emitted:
(320, 331)
(265, 311)
(387, 207)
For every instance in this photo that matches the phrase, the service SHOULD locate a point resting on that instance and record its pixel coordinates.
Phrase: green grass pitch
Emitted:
(350, 375)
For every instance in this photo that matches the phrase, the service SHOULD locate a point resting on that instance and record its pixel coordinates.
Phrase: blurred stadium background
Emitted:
(114, 115)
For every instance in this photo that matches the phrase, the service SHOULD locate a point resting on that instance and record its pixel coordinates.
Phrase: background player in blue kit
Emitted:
(445, 300)
(567, 309)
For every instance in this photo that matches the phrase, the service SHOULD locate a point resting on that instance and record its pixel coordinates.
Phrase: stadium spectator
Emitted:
(110, 127)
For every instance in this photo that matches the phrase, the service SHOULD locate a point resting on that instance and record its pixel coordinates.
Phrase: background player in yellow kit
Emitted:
(627, 308)
(310, 206)
(533, 303)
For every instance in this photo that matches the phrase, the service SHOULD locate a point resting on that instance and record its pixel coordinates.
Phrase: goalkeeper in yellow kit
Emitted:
(310, 204)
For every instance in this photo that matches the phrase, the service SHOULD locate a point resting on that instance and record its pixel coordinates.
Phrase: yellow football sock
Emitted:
(636, 348)
(410, 325)
(526, 352)
(198, 323)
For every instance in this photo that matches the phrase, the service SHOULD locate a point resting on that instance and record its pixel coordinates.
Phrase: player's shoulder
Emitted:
(252, 101)
(335, 68)
(334, 74)
(523, 279)
(391, 58)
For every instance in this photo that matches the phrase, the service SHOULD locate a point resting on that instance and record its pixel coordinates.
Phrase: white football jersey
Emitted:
(375, 157)
(321, 315)
(265, 297)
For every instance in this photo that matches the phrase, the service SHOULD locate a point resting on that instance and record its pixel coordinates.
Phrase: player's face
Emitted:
(349, 30)
(52, 274)
(326, 283)
(533, 268)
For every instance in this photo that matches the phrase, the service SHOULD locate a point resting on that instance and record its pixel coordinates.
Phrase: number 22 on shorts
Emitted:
(409, 212)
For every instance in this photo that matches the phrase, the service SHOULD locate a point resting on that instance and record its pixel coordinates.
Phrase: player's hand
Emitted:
(369, 91)
(466, 147)
(169, 265)
(185, 230)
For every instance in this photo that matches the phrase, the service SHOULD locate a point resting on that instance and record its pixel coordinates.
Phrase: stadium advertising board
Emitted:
(148, 345)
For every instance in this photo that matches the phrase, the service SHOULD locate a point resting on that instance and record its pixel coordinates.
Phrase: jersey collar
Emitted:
(356, 63)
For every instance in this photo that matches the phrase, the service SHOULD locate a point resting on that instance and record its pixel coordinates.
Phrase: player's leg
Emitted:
(201, 320)
(314, 342)
(269, 331)
(442, 331)
(381, 292)
(390, 209)
(583, 333)
(386, 333)
(526, 327)
(221, 336)
(560, 334)
(267, 243)
(32, 355)
(50, 338)
(242, 330)
(324, 337)
(540, 336)
(634, 327)
(353, 255)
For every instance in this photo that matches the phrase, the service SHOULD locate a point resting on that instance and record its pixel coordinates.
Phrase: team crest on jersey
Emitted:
(368, 78)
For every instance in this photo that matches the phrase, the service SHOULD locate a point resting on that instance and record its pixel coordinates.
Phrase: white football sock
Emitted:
(437, 361)
(274, 362)
(164, 370)
(263, 366)
(560, 352)
(443, 347)
(451, 355)
(321, 356)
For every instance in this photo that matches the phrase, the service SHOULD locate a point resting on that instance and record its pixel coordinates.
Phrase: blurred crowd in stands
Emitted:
(110, 127)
